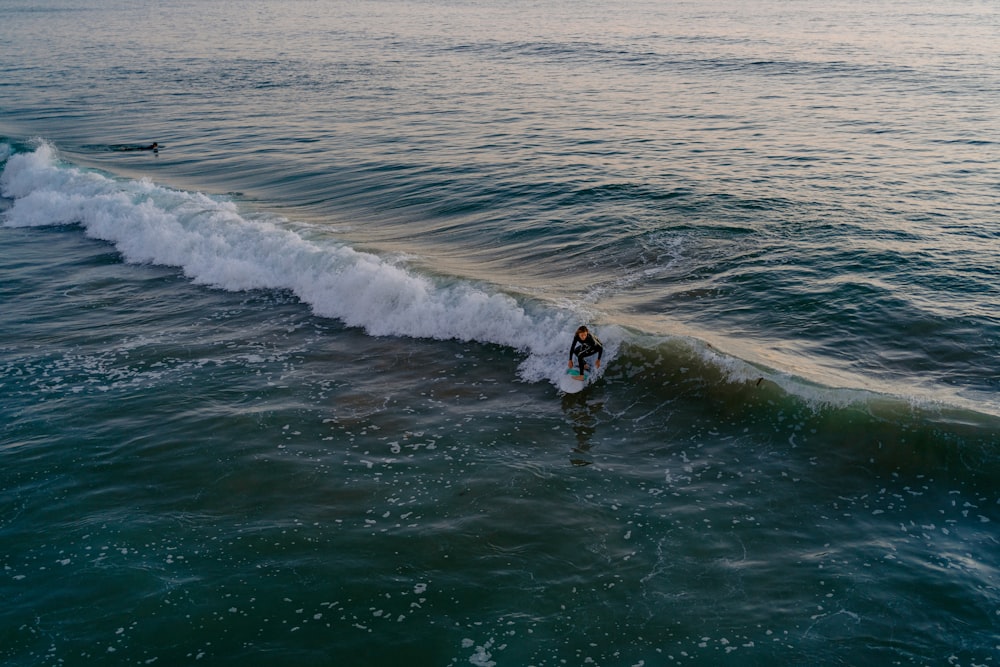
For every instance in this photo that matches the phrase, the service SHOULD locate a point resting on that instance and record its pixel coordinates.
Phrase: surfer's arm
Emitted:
(595, 345)
(599, 347)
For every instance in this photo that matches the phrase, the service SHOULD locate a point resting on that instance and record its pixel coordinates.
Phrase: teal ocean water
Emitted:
(286, 391)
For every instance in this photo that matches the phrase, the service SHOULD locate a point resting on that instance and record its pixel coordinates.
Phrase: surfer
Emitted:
(155, 147)
(585, 344)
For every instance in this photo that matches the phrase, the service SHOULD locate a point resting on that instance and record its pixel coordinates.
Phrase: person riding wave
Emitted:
(155, 147)
(584, 345)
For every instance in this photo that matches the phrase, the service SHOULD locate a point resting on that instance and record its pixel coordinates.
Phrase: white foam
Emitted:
(216, 244)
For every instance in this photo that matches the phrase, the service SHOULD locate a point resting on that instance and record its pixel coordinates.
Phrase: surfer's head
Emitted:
(582, 332)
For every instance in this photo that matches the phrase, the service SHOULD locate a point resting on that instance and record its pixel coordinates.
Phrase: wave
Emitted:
(217, 244)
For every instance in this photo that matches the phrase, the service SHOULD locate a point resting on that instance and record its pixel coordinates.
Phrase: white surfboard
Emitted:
(573, 382)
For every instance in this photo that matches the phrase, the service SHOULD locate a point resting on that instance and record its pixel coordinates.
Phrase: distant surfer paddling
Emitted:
(584, 345)
(155, 147)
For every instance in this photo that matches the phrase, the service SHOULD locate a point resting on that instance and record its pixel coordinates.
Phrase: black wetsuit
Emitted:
(587, 347)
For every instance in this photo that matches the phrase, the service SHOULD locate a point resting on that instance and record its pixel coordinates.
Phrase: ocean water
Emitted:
(286, 390)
